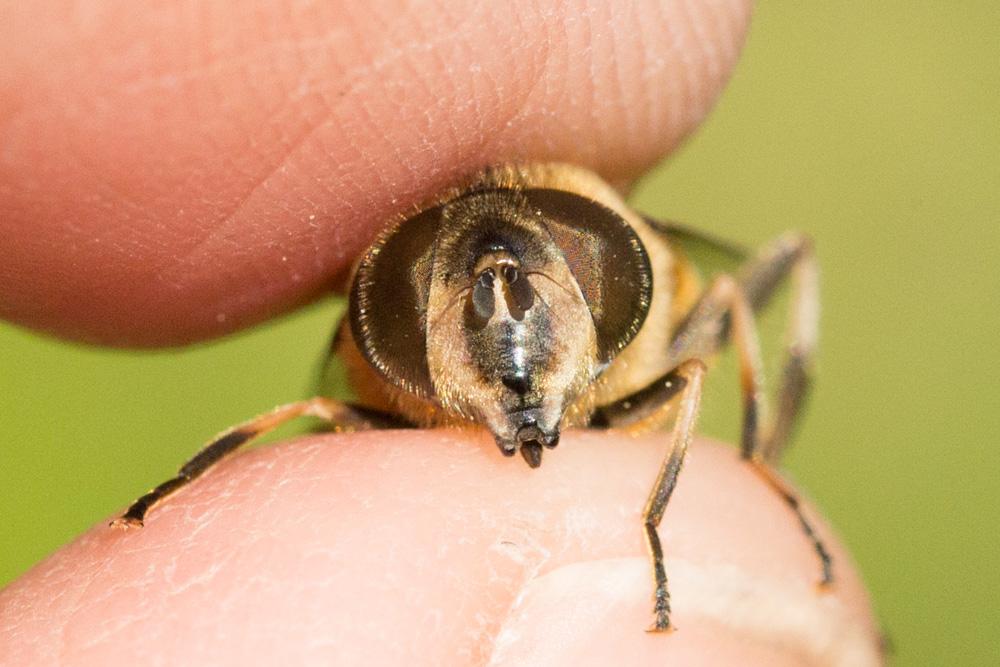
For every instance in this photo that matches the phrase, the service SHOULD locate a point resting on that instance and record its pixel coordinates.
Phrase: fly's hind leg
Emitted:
(759, 279)
(789, 255)
(726, 312)
(342, 416)
(646, 410)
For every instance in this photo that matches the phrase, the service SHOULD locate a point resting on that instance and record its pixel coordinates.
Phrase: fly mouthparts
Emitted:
(532, 440)
(532, 453)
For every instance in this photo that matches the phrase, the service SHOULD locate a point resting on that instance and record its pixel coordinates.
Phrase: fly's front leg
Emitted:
(342, 416)
(726, 312)
(692, 373)
(648, 409)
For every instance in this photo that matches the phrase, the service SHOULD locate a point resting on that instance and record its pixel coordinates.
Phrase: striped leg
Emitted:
(650, 409)
(726, 312)
(342, 416)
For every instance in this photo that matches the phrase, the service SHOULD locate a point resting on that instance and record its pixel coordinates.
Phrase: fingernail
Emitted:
(595, 613)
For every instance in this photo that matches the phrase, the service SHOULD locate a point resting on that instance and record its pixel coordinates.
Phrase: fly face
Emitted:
(501, 306)
(511, 341)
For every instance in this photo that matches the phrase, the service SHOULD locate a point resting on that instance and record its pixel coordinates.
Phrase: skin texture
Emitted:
(429, 548)
(181, 170)
(177, 171)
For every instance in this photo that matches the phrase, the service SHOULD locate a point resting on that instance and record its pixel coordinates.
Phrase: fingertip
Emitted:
(384, 545)
(171, 176)
(591, 613)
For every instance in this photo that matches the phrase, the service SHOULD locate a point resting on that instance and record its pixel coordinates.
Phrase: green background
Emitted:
(872, 126)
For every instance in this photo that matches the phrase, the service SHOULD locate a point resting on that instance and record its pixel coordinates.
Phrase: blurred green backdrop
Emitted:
(873, 126)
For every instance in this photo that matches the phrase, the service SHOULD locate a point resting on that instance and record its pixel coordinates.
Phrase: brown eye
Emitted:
(607, 259)
(388, 305)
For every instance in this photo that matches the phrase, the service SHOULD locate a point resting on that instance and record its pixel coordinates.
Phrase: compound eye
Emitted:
(607, 259)
(388, 305)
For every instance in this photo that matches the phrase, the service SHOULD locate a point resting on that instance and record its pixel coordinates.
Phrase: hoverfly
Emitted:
(533, 299)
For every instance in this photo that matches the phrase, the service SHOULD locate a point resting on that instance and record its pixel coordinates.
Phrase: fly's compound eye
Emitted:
(388, 302)
(607, 260)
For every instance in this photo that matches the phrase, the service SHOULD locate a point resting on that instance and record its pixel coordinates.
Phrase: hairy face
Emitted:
(510, 339)
(500, 306)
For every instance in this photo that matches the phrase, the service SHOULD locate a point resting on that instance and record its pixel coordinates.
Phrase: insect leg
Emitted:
(726, 311)
(343, 416)
(789, 254)
(649, 409)
(690, 373)
(792, 500)
(792, 253)
(645, 410)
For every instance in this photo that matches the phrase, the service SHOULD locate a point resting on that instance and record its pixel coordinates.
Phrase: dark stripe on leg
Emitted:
(215, 451)
(641, 404)
(137, 511)
(691, 372)
(795, 385)
(339, 414)
(793, 502)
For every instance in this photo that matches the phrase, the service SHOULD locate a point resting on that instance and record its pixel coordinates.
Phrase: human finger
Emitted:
(428, 547)
(171, 174)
